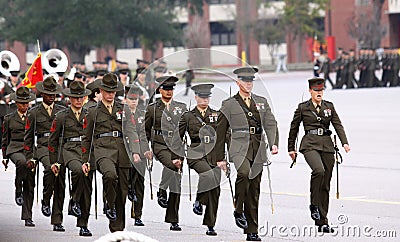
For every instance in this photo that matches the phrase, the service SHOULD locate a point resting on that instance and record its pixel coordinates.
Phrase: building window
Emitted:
(129, 43)
(221, 34)
(2, 45)
(362, 2)
(222, 1)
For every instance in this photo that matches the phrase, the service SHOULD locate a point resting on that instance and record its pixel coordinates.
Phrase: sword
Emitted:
(228, 175)
(95, 195)
(338, 157)
(5, 163)
(149, 166)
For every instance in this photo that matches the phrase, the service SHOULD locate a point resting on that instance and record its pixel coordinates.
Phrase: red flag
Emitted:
(34, 73)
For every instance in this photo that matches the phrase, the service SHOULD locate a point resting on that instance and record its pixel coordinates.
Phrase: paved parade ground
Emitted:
(369, 204)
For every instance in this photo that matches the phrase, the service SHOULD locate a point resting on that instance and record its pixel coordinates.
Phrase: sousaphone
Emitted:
(9, 62)
(55, 60)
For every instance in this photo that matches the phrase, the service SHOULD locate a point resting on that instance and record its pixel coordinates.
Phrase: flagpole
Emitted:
(38, 45)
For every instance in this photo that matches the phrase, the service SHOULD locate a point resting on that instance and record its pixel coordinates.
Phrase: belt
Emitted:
(250, 130)
(74, 139)
(205, 139)
(168, 133)
(114, 134)
(319, 131)
(43, 135)
(18, 140)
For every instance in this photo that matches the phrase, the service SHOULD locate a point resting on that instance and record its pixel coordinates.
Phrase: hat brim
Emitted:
(118, 88)
(67, 92)
(13, 96)
(40, 88)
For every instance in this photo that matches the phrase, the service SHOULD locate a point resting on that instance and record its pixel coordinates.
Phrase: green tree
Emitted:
(299, 18)
(80, 25)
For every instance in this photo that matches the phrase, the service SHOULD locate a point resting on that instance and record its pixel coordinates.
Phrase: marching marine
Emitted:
(317, 147)
(37, 129)
(65, 147)
(161, 124)
(249, 118)
(137, 173)
(200, 124)
(104, 131)
(12, 147)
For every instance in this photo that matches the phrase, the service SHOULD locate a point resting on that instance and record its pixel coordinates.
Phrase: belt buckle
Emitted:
(115, 134)
(320, 131)
(170, 133)
(252, 130)
(207, 139)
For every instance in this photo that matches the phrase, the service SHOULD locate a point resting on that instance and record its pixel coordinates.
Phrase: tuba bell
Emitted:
(55, 61)
(9, 62)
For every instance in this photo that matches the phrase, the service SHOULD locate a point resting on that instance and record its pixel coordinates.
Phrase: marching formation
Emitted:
(367, 64)
(119, 128)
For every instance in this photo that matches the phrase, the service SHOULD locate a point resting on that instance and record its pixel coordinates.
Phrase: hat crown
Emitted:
(23, 93)
(110, 81)
(246, 73)
(77, 88)
(203, 90)
(50, 84)
(316, 83)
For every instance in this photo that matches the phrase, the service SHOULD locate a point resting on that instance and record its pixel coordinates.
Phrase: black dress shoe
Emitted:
(19, 200)
(76, 209)
(132, 195)
(325, 229)
(138, 222)
(162, 200)
(175, 227)
(315, 212)
(111, 214)
(197, 208)
(29, 223)
(253, 237)
(210, 231)
(46, 209)
(240, 220)
(58, 228)
(85, 232)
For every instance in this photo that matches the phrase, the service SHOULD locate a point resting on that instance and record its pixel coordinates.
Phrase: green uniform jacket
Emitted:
(13, 134)
(159, 119)
(66, 126)
(137, 120)
(38, 116)
(107, 147)
(201, 131)
(307, 113)
(243, 144)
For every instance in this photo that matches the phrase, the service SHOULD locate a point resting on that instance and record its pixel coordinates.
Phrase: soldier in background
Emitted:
(161, 124)
(38, 125)
(395, 59)
(68, 125)
(12, 147)
(387, 69)
(137, 173)
(326, 68)
(252, 125)
(362, 66)
(189, 76)
(337, 63)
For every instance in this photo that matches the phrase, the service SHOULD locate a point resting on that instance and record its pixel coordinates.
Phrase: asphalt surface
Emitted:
(369, 204)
